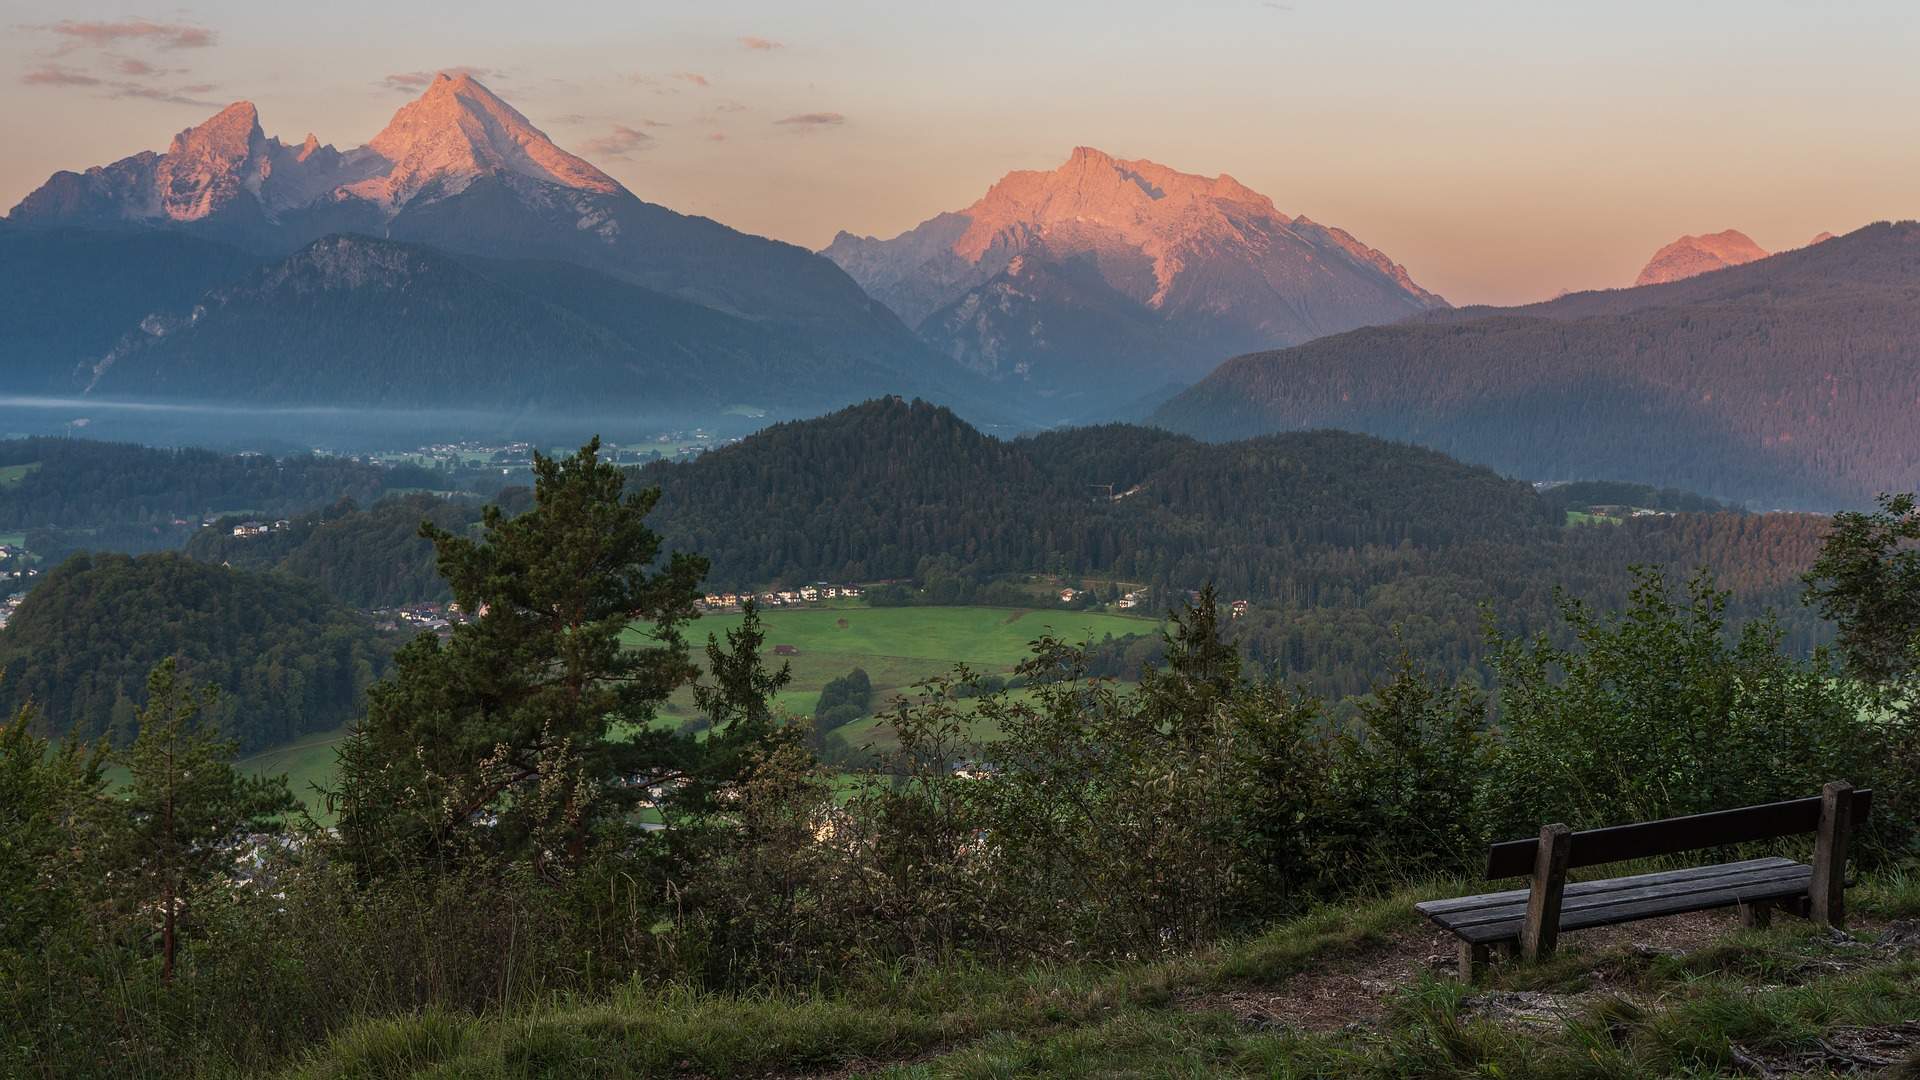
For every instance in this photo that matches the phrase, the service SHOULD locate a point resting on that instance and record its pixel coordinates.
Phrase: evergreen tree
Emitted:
(530, 728)
(183, 801)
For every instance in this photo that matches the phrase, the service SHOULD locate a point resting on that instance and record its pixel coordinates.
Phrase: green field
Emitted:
(898, 647)
(13, 474)
(1583, 517)
(306, 761)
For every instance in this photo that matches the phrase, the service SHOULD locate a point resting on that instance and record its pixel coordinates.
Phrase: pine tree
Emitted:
(530, 728)
(183, 803)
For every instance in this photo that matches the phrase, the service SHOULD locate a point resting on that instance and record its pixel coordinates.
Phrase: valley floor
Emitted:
(1362, 990)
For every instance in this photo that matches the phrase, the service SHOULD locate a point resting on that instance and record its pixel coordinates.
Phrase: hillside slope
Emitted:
(287, 660)
(1789, 381)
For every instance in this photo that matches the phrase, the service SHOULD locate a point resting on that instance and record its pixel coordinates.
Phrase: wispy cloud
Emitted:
(185, 95)
(760, 44)
(716, 136)
(100, 33)
(55, 75)
(133, 65)
(813, 120)
(412, 82)
(690, 77)
(621, 142)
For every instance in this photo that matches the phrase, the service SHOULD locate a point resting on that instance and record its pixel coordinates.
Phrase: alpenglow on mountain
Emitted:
(1108, 278)
(457, 174)
(1691, 255)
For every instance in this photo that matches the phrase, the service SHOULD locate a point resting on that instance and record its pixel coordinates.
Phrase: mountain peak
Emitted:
(231, 133)
(1692, 255)
(458, 131)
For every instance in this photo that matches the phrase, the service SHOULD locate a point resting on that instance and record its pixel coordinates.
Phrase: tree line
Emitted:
(500, 797)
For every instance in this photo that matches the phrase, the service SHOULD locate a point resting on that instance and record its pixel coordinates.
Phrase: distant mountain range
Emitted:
(1791, 380)
(485, 265)
(1105, 279)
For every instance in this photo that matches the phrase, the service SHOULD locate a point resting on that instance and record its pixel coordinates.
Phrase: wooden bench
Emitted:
(1530, 920)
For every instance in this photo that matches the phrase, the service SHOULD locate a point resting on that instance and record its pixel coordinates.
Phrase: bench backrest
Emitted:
(1653, 838)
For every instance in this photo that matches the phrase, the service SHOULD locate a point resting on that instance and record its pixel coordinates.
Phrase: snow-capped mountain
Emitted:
(1692, 255)
(461, 171)
(435, 147)
(457, 168)
(1210, 260)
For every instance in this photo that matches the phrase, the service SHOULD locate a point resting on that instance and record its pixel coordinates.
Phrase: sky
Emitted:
(1502, 152)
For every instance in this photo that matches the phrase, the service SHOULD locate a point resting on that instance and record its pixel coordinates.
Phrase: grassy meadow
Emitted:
(898, 647)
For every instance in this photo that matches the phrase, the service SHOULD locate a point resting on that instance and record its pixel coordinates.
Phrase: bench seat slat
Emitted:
(1435, 908)
(1571, 905)
(1782, 889)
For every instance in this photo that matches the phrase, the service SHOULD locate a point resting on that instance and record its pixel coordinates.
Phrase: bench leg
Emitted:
(1541, 928)
(1473, 961)
(1827, 893)
(1756, 916)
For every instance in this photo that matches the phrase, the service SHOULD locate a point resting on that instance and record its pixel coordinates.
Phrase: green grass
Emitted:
(306, 761)
(1582, 517)
(13, 474)
(14, 539)
(897, 647)
(1625, 1013)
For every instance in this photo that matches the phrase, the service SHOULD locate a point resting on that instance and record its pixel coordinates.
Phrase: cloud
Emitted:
(182, 96)
(813, 120)
(98, 34)
(690, 77)
(412, 82)
(55, 75)
(133, 65)
(716, 136)
(621, 142)
(760, 44)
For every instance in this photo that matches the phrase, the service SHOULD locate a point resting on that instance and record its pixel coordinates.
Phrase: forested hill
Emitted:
(71, 494)
(1789, 381)
(369, 558)
(869, 492)
(80, 483)
(1350, 548)
(288, 660)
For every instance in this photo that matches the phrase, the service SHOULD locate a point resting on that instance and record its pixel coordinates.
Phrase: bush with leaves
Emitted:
(1661, 710)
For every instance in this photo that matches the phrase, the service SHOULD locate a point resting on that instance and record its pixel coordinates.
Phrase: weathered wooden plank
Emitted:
(1827, 892)
(1542, 926)
(1648, 839)
(1431, 908)
(1612, 914)
(1473, 960)
(1516, 908)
